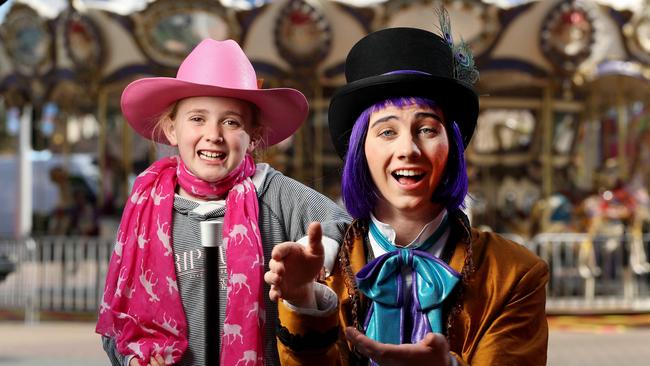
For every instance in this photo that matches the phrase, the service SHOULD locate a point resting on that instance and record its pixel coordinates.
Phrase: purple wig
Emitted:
(360, 193)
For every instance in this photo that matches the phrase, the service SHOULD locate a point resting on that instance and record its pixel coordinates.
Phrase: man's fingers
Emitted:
(276, 266)
(429, 340)
(435, 341)
(362, 343)
(272, 278)
(282, 250)
(315, 234)
(354, 336)
(274, 294)
(153, 361)
(161, 360)
(134, 362)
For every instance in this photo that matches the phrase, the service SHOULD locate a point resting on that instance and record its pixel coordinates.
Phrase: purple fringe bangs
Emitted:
(358, 190)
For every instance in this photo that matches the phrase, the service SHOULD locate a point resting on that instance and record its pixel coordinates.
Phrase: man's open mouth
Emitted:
(408, 176)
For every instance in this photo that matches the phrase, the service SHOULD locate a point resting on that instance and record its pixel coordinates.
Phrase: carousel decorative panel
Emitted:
(302, 33)
(476, 21)
(568, 34)
(503, 136)
(637, 36)
(169, 30)
(27, 40)
(83, 41)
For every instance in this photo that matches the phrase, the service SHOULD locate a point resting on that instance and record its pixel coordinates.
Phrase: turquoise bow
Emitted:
(392, 315)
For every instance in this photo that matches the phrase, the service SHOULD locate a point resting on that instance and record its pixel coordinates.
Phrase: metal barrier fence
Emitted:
(602, 274)
(599, 274)
(595, 274)
(55, 273)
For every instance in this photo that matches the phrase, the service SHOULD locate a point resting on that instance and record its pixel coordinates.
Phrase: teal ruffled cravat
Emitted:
(393, 318)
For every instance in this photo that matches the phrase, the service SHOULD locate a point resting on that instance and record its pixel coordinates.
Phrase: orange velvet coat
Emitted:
(497, 316)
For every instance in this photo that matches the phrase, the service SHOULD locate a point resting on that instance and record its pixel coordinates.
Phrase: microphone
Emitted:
(211, 240)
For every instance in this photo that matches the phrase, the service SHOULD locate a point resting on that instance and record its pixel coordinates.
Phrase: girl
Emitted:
(214, 112)
(424, 287)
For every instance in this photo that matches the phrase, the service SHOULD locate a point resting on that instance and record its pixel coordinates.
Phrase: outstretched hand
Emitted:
(432, 350)
(154, 361)
(294, 267)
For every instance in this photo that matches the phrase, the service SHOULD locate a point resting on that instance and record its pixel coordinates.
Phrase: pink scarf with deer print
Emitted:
(141, 307)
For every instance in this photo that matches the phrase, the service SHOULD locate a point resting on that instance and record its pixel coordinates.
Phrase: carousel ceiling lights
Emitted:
(46, 8)
(632, 5)
(244, 4)
(506, 4)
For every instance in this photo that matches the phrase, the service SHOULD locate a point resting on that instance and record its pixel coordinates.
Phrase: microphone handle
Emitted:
(211, 239)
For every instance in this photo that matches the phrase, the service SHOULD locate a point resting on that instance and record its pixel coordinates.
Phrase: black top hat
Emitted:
(425, 68)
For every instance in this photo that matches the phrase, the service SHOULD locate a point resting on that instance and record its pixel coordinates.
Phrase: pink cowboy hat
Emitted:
(214, 68)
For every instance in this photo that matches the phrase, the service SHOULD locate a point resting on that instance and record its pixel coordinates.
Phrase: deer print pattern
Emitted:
(239, 233)
(135, 296)
(119, 244)
(158, 197)
(163, 237)
(238, 280)
(167, 352)
(249, 356)
(168, 324)
(234, 331)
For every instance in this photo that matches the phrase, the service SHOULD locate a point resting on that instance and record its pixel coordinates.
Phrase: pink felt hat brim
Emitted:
(282, 110)
(219, 69)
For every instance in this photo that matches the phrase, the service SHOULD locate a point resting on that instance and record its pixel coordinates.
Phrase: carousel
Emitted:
(560, 161)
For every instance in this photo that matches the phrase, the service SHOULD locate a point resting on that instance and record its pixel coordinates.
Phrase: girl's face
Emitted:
(407, 150)
(212, 135)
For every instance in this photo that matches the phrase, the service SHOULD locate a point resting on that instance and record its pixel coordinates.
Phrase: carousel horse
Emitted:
(615, 215)
(638, 252)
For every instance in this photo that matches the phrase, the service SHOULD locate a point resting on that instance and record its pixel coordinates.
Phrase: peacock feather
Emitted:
(464, 68)
(444, 24)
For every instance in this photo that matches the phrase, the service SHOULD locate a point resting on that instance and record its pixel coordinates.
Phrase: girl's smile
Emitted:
(212, 156)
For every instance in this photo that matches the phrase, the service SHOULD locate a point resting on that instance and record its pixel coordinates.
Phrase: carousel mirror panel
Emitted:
(83, 41)
(303, 34)
(169, 30)
(637, 35)
(27, 40)
(503, 136)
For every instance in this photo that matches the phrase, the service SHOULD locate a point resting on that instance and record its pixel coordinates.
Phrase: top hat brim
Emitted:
(458, 101)
(282, 110)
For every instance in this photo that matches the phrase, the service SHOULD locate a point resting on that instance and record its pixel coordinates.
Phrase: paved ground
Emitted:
(75, 344)
(615, 348)
(55, 344)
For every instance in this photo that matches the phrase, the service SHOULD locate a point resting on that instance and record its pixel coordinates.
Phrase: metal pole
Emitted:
(547, 140)
(102, 107)
(318, 123)
(24, 217)
(622, 125)
(32, 303)
(211, 238)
